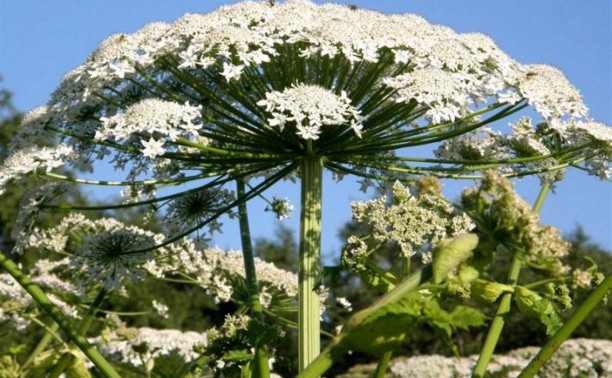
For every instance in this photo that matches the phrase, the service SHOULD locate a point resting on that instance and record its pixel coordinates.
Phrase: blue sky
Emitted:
(41, 40)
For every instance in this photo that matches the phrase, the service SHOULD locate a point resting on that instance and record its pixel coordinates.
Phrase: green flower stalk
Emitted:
(261, 360)
(566, 330)
(256, 90)
(73, 334)
(68, 358)
(503, 309)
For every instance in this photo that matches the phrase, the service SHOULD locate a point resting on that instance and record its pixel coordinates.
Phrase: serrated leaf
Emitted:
(385, 328)
(260, 333)
(450, 253)
(464, 317)
(376, 277)
(388, 326)
(384, 333)
(532, 304)
(487, 291)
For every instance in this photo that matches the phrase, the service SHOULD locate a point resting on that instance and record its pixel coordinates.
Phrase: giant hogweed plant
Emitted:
(255, 93)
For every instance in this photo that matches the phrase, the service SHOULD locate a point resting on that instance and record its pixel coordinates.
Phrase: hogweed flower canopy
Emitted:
(254, 90)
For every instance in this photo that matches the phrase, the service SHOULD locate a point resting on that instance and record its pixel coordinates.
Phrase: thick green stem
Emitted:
(56, 314)
(310, 252)
(68, 357)
(262, 368)
(499, 320)
(570, 325)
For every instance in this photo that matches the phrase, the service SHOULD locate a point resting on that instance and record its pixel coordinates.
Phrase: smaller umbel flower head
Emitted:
(309, 107)
(496, 208)
(197, 207)
(281, 208)
(109, 255)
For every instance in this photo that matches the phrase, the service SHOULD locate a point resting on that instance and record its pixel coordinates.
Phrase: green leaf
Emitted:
(385, 328)
(532, 304)
(464, 317)
(487, 291)
(376, 277)
(238, 355)
(261, 334)
(247, 370)
(450, 253)
(17, 349)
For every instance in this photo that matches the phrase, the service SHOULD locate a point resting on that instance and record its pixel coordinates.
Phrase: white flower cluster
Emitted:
(231, 325)
(413, 222)
(483, 144)
(30, 209)
(550, 93)
(575, 358)
(527, 140)
(517, 226)
(157, 119)
(308, 108)
(218, 271)
(104, 253)
(32, 130)
(32, 159)
(107, 255)
(450, 70)
(137, 346)
(295, 59)
(160, 308)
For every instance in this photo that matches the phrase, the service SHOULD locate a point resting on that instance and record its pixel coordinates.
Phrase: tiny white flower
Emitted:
(231, 71)
(160, 308)
(153, 148)
(122, 68)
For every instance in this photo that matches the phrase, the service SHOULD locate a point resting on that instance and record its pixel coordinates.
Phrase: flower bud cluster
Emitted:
(496, 208)
(414, 222)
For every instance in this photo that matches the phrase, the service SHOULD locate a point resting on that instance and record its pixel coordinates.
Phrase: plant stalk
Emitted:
(56, 314)
(385, 358)
(503, 309)
(67, 357)
(41, 346)
(570, 325)
(383, 364)
(309, 328)
(262, 369)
